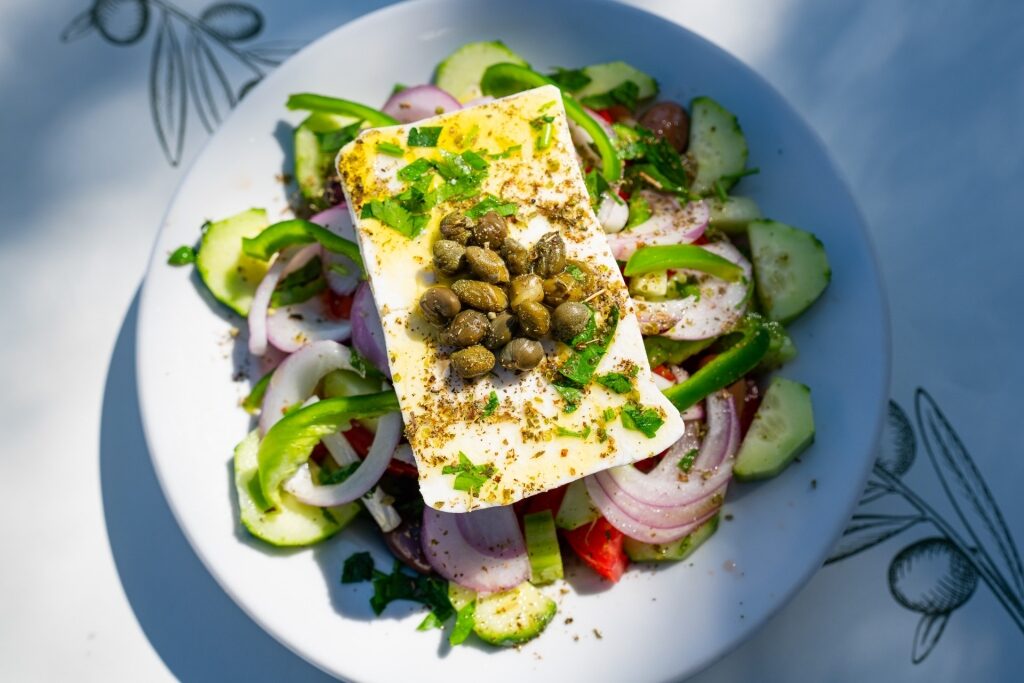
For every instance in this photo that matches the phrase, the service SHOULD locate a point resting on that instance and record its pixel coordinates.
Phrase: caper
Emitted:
(472, 362)
(499, 331)
(568, 320)
(466, 329)
(480, 295)
(549, 255)
(534, 319)
(489, 231)
(448, 256)
(517, 257)
(456, 227)
(525, 288)
(439, 304)
(486, 265)
(521, 354)
(561, 288)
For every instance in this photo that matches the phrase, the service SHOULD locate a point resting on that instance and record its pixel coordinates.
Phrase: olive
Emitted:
(439, 305)
(534, 319)
(489, 231)
(670, 122)
(466, 329)
(499, 331)
(561, 288)
(521, 354)
(456, 227)
(448, 256)
(472, 362)
(569, 319)
(525, 288)
(404, 543)
(517, 257)
(480, 295)
(549, 255)
(486, 265)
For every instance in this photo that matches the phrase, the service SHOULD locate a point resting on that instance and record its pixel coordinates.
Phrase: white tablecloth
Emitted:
(922, 104)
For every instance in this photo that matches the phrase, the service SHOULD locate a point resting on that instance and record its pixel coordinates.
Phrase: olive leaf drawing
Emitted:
(190, 60)
(937, 575)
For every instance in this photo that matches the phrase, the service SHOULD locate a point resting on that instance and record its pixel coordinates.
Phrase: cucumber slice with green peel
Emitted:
(781, 348)
(294, 524)
(576, 509)
(790, 268)
(717, 145)
(312, 163)
(459, 596)
(513, 616)
(606, 77)
(460, 72)
(783, 427)
(542, 547)
(638, 551)
(230, 275)
(734, 214)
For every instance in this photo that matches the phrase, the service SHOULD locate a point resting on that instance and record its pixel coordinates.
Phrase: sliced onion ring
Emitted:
(338, 220)
(365, 477)
(452, 556)
(368, 331)
(670, 223)
(493, 531)
(296, 378)
(285, 263)
(419, 102)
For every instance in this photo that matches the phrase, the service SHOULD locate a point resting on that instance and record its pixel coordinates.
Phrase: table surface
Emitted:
(923, 111)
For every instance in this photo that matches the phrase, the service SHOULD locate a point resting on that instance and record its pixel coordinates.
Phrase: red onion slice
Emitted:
(419, 102)
(451, 556)
(670, 223)
(492, 531)
(404, 454)
(290, 328)
(342, 273)
(637, 529)
(715, 312)
(365, 477)
(367, 330)
(296, 378)
(285, 263)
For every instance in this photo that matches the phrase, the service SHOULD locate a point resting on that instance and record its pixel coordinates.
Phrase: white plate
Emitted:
(656, 624)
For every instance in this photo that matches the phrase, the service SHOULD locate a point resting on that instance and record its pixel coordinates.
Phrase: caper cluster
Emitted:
(503, 297)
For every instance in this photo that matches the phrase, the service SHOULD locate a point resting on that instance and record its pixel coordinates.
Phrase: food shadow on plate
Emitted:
(182, 611)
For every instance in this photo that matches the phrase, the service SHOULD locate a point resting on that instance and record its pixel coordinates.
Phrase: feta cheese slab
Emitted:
(516, 430)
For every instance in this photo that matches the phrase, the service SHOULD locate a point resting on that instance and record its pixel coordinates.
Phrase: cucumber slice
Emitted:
(295, 524)
(576, 509)
(606, 77)
(229, 274)
(542, 547)
(510, 617)
(460, 72)
(781, 348)
(638, 551)
(790, 268)
(717, 145)
(653, 285)
(312, 164)
(783, 427)
(733, 215)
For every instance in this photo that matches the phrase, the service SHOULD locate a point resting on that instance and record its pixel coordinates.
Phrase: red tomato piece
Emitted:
(606, 114)
(548, 500)
(664, 371)
(600, 546)
(339, 306)
(361, 439)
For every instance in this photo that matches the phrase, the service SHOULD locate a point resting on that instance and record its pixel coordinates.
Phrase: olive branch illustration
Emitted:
(188, 58)
(936, 576)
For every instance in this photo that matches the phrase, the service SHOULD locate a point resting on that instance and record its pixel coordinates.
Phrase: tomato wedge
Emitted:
(600, 546)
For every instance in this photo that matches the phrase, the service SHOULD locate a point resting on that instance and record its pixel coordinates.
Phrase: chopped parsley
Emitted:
(468, 477)
(639, 211)
(616, 381)
(390, 148)
(424, 136)
(626, 93)
(588, 348)
(463, 624)
(474, 159)
(430, 622)
(415, 170)
(182, 256)
(391, 213)
(544, 137)
(462, 179)
(686, 462)
(596, 185)
(570, 79)
(331, 141)
(572, 396)
(358, 568)
(470, 137)
(576, 272)
(399, 585)
(296, 294)
(609, 414)
(562, 431)
(658, 163)
(645, 420)
(492, 203)
(506, 153)
(491, 405)
(325, 478)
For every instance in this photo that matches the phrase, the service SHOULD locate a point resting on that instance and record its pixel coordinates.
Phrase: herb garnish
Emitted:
(463, 624)
(491, 405)
(596, 185)
(640, 419)
(572, 396)
(182, 256)
(616, 381)
(424, 136)
(626, 93)
(254, 400)
(506, 153)
(398, 585)
(358, 567)
(639, 211)
(390, 148)
(562, 431)
(576, 272)
(325, 478)
(687, 460)
(588, 349)
(570, 79)
(468, 477)
(333, 140)
(415, 170)
(492, 203)
(391, 213)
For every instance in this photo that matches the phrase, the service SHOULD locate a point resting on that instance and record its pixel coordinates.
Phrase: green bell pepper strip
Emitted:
(297, 231)
(254, 400)
(681, 257)
(288, 444)
(335, 105)
(725, 368)
(298, 294)
(500, 80)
